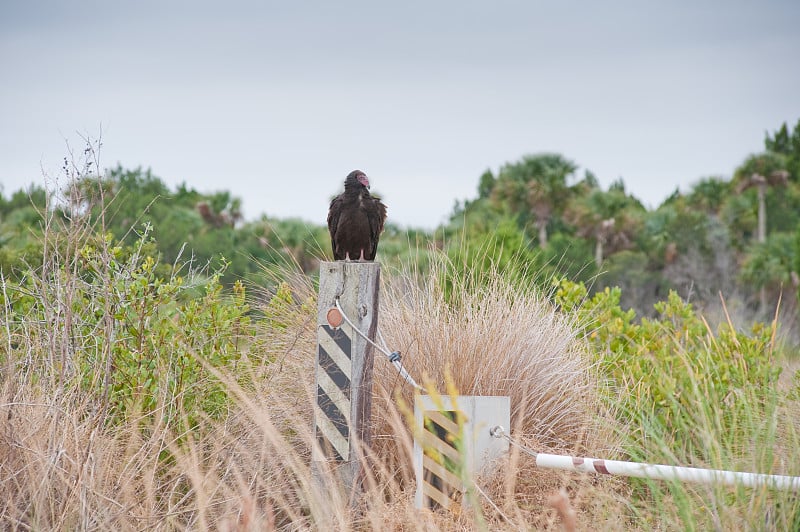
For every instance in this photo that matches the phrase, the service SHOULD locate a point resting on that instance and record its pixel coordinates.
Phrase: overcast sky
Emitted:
(278, 101)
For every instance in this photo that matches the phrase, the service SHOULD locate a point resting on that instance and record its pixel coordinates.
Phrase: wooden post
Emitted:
(344, 368)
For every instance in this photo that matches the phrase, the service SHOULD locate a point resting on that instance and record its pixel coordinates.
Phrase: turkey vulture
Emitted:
(355, 220)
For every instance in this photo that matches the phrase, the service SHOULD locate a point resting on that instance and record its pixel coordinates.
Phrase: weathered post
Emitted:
(344, 368)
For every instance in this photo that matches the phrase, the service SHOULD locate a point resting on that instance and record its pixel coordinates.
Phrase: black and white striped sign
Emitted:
(334, 375)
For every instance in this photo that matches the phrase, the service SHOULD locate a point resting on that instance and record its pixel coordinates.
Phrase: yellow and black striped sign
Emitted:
(442, 459)
(332, 411)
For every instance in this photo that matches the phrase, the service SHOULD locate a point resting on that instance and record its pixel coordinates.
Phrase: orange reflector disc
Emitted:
(334, 317)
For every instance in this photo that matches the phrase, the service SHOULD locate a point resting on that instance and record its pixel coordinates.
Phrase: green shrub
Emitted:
(139, 342)
(659, 367)
(688, 395)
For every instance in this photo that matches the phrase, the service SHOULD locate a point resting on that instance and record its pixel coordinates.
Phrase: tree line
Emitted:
(736, 236)
(536, 218)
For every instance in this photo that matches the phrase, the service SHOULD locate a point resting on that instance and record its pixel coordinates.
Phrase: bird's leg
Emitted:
(347, 256)
(361, 258)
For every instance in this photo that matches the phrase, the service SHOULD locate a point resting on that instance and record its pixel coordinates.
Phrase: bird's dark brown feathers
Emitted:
(355, 220)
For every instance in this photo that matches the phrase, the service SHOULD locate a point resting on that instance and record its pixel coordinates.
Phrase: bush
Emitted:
(693, 396)
(660, 365)
(104, 319)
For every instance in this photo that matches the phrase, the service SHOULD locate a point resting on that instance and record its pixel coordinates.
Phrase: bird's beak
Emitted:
(363, 180)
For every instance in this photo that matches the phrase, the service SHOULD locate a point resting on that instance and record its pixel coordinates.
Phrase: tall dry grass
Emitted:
(65, 464)
(71, 459)
(495, 338)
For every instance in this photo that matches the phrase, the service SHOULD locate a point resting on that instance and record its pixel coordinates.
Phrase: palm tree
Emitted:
(787, 143)
(769, 266)
(761, 171)
(611, 219)
(708, 195)
(221, 209)
(538, 184)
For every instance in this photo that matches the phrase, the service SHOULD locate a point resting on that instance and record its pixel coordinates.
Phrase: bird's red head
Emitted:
(356, 177)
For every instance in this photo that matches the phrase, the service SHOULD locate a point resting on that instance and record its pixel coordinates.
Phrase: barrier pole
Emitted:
(655, 471)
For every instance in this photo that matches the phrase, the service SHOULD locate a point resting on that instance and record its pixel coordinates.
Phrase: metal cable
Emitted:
(394, 357)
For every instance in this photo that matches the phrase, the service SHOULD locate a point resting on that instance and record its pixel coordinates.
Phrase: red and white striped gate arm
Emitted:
(653, 471)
